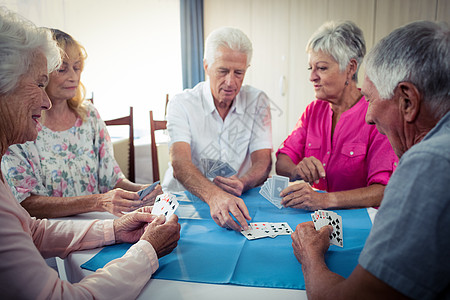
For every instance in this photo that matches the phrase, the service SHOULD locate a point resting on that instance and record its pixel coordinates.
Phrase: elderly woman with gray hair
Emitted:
(27, 55)
(406, 254)
(331, 147)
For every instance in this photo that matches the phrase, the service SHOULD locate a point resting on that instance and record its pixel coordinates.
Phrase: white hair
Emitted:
(343, 40)
(20, 40)
(418, 53)
(228, 37)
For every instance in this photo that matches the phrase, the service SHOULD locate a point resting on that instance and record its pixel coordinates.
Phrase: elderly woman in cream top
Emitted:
(70, 168)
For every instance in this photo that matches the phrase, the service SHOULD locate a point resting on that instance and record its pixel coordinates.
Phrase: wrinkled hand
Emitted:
(150, 198)
(310, 244)
(310, 169)
(301, 195)
(130, 227)
(163, 236)
(224, 204)
(232, 184)
(118, 200)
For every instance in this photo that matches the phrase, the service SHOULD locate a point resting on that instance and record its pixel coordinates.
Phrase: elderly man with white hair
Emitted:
(406, 254)
(221, 120)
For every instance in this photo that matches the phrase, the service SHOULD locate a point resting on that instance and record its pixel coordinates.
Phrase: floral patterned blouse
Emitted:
(75, 162)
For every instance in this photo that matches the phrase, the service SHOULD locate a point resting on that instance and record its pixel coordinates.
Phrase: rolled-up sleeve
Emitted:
(381, 159)
(178, 122)
(294, 145)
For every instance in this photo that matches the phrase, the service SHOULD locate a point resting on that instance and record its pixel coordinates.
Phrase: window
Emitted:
(133, 49)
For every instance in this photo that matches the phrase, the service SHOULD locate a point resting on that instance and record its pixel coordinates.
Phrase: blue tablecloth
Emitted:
(210, 254)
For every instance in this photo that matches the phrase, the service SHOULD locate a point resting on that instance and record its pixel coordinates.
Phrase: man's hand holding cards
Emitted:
(322, 218)
(165, 204)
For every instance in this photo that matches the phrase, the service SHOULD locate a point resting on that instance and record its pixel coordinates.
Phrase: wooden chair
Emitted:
(155, 125)
(165, 107)
(92, 98)
(127, 120)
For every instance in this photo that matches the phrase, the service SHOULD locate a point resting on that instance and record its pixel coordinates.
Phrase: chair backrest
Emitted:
(165, 107)
(127, 120)
(155, 125)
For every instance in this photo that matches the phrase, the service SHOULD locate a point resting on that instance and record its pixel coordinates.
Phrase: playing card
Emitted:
(224, 170)
(264, 193)
(336, 235)
(315, 219)
(165, 204)
(322, 218)
(259, 230)
(272, 187)
(147, 190)
(279, 183)
(210, 163)
(282, 228)
(207, 165)
(253, 233)
(266, 228)
(204, 165)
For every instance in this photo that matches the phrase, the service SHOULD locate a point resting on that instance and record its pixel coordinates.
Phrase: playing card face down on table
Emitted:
(259, 230)
(215, 167)
(165, 204)
(272, 188)
(322, 218)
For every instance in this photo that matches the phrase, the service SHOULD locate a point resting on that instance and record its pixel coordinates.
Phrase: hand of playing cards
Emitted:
(214, 167)
(272, 188)
(147, 190)
(266, 229)
(322, 218)
(165, 204)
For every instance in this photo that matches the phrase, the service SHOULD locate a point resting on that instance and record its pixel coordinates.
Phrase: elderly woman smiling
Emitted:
(331, 146)
(70, 167)
(26, 53)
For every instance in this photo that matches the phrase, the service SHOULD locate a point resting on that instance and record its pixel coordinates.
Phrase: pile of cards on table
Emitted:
(215, 167)
(272, 188)
(165, 204)
(324, 217)
(266, 229)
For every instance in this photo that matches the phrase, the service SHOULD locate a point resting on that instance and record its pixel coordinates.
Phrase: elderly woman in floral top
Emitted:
(70, 168)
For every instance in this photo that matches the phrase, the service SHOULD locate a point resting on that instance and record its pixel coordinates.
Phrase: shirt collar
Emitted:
(208, 102)
(361, 104)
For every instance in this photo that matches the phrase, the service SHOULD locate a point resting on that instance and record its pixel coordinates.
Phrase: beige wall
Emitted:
(280, 29)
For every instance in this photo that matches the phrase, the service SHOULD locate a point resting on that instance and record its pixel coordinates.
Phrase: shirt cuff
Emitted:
(291, 154)
(380, 178)
(108, 231)
(149, 251)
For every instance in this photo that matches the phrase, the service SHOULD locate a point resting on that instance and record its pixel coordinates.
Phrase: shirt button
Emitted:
(328, 152)
(309, 145)
(351, 152)
(324, 164)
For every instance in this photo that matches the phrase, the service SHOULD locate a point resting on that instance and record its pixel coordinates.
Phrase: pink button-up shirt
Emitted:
(357, 155)
(25, 240)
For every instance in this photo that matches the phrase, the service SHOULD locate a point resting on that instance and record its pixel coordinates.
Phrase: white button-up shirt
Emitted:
(193, 118)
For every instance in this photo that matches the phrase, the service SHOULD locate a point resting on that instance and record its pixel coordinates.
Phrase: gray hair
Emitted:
(343, 40)
(417, 53)
(228, 37)
(19, 41)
